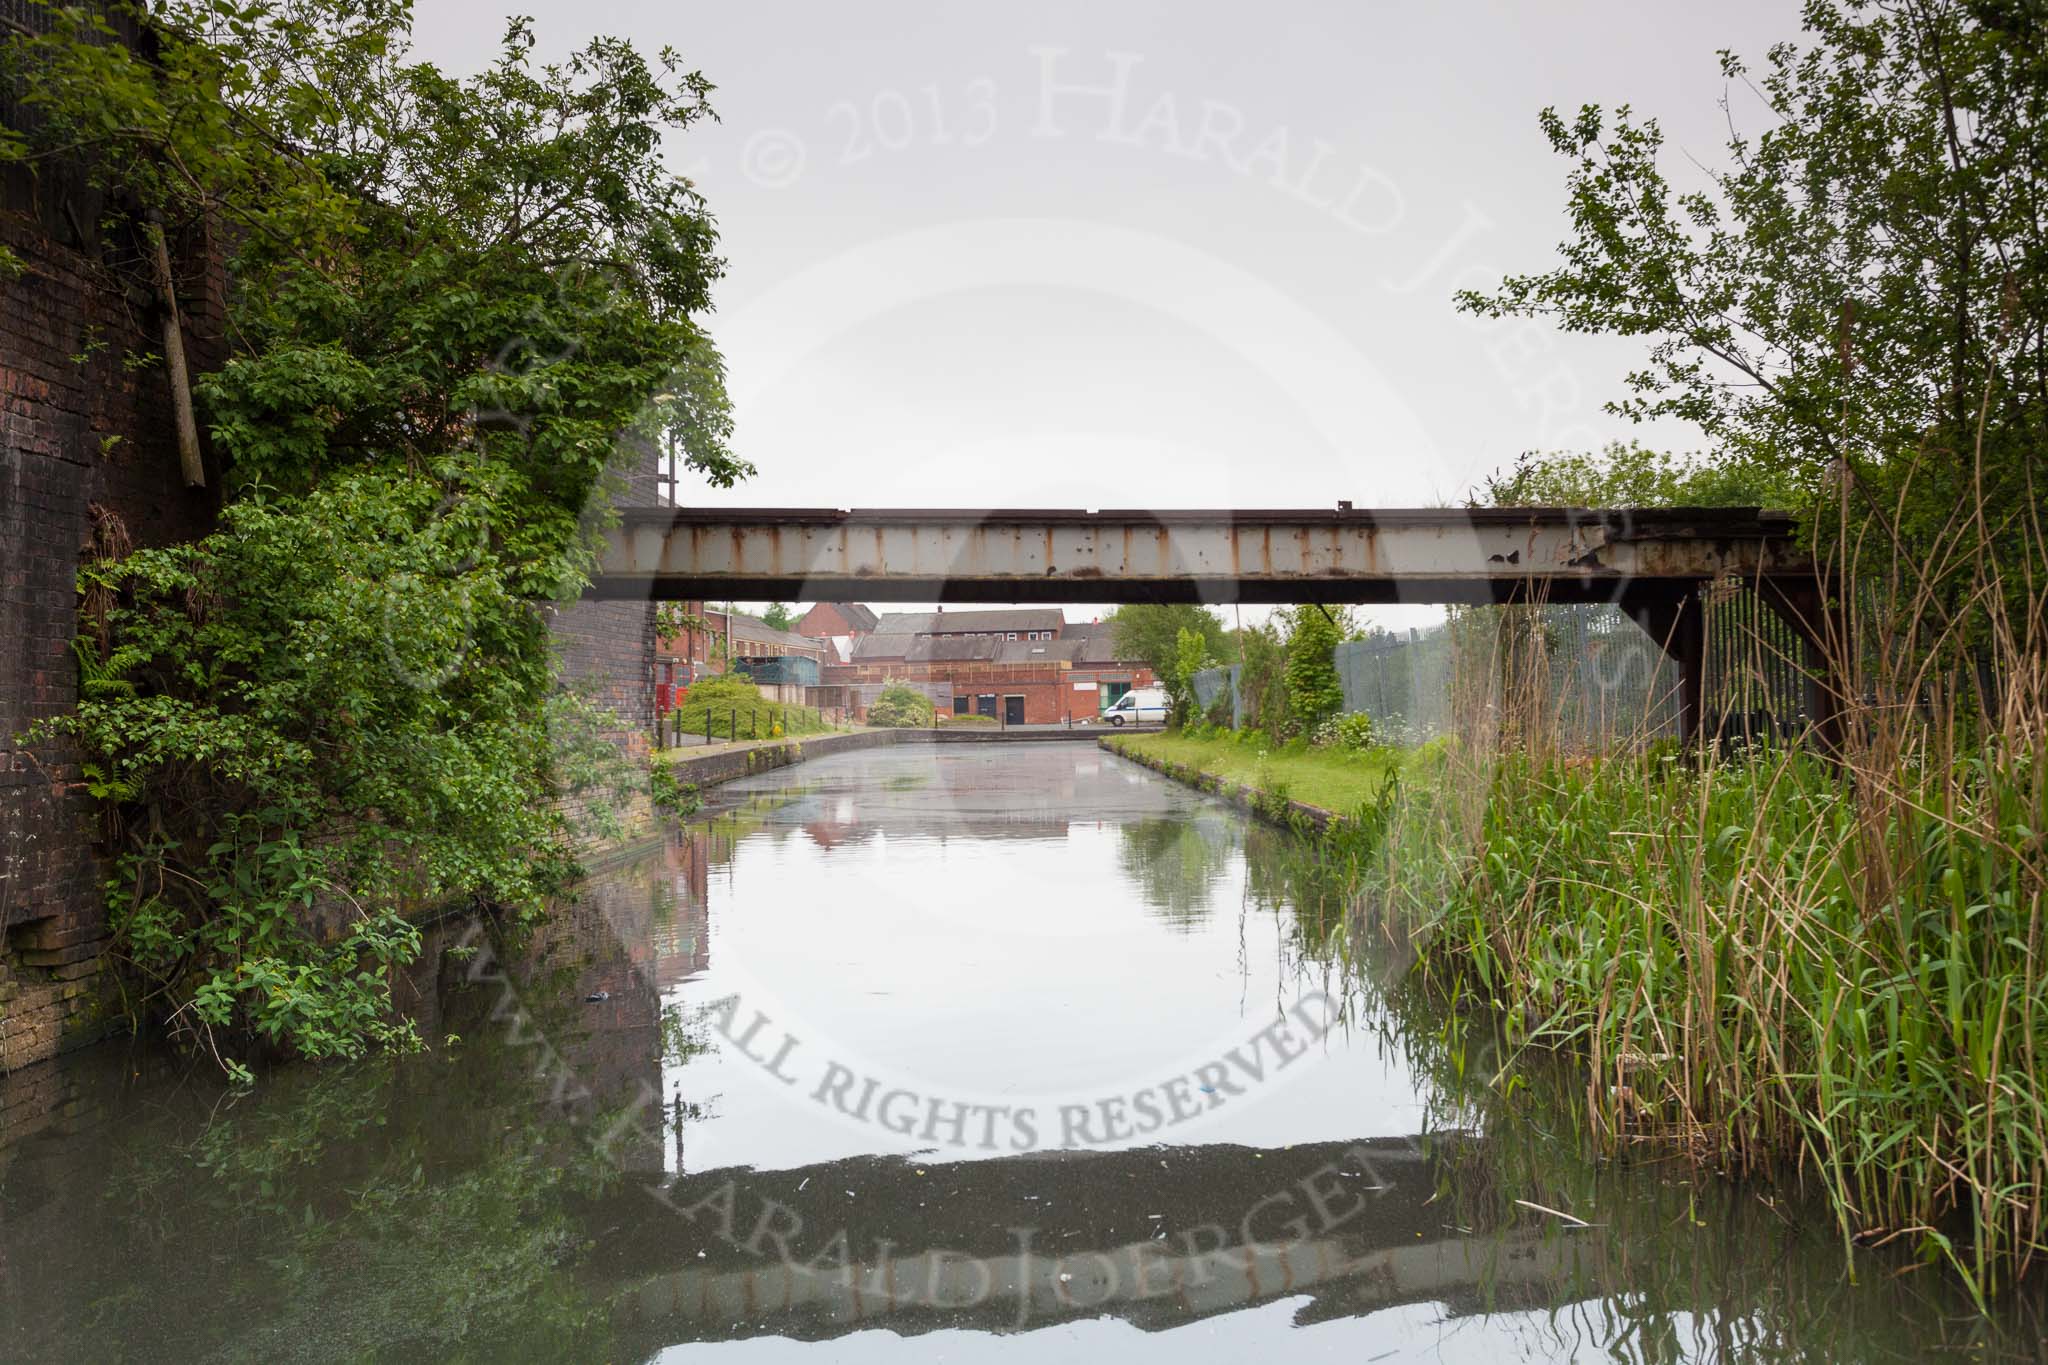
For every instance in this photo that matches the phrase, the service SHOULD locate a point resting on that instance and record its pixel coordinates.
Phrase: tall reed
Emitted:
(1827, 956)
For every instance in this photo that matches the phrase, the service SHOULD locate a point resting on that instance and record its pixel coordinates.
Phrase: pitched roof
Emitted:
(902, 622)
(883, 645)
(1016, 618)
(920, 649)
(754, 628)
(941, 649)
(970, 622)
(1037, 651)
(1099, 649)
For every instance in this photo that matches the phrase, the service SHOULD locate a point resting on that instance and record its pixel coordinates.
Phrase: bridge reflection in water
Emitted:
(1160, 1237)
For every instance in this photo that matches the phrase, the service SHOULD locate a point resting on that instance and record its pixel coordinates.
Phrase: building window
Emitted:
(962, 705)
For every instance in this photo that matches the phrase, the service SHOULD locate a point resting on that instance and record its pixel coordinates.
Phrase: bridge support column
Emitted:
(1672, 614)
(1802, 603)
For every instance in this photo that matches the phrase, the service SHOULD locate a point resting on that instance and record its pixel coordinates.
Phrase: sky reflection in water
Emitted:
(609, 1164)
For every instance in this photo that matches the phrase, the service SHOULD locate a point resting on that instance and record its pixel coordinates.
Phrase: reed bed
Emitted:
(1821, 957)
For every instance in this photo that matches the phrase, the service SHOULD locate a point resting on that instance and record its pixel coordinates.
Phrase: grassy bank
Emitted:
(734, 709)
(1338, 781)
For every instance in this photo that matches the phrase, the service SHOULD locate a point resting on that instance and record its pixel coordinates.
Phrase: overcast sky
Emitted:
(1088, 254)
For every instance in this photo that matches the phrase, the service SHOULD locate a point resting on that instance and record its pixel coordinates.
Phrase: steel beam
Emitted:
(1343, 555)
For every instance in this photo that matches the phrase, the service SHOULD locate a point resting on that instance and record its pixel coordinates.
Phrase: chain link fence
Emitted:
(1593, 675)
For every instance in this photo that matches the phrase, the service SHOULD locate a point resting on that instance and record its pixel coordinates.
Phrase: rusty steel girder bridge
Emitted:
(1649, 562)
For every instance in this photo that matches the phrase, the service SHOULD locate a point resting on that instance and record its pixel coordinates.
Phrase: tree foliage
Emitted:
(778, 616)
(1191, 654)
(1150, 632)
(1263, 682)
(1628, 474)
(1858, 296)
(460, 309)
(1313, 691)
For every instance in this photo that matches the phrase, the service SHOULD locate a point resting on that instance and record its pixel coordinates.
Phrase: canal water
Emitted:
(962, 1052)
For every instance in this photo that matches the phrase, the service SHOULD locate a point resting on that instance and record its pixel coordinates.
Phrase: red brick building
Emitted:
(1013, 623)
(1027, 666)
(840, 623)
(710, 636)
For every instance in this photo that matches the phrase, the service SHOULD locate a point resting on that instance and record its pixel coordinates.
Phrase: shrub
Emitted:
(1351, 730)
(735, 708)
(679, 799)
(899, 707)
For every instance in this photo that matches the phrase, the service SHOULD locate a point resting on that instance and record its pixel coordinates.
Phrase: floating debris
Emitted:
(1573, 1219)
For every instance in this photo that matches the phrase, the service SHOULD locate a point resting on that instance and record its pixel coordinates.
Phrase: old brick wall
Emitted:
(605, 653)
(87, 445)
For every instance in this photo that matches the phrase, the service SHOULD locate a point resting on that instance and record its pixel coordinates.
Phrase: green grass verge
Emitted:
(1338, 781)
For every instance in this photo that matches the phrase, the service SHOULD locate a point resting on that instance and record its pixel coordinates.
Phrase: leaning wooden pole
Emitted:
(174, 361)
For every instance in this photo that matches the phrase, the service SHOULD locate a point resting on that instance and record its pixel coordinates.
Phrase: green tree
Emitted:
(1263, 683)
(1859, 295)
(1628, 474)
(1314, 693)
(1190, 656)
(778, 616)
(1151, 632)
(462, 310)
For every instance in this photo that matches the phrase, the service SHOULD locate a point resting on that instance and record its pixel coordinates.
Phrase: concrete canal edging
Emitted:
(1288, 814)
(709, 770)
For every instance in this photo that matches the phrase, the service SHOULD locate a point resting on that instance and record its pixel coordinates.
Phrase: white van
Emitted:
(1140, 706)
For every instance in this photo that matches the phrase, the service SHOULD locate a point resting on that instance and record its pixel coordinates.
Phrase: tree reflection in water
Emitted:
(1177, 862)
